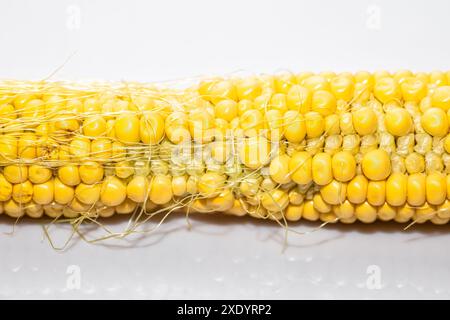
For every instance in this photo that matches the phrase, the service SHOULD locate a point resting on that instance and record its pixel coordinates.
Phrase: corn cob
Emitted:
(330, 147)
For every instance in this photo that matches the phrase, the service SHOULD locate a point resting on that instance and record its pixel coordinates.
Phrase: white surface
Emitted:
(154, 41)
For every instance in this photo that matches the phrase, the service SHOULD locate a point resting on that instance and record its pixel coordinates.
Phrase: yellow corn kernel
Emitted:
(414, 163)
(34, 210)
(357, 189)
(344, 166)
(299, 99)
(275, 200)
(376, 165)
(278, 102)
(332, 125)
(321, 169)
(123, 169)
(251, 122)
(94, 126)
(23, 192)
(376, 192)
(365, 212)
(13, 209)
(435, 122)
(365, 120)
(43, 193)
(279, 169)
(413, 89)
(316, 83)
(404, 213)
(88, 193)
(126, 128)
(126, 207)
(323, 102)
(344, 210)
(26, 146)
(16, 173)
(334, 193)
(294, 126)
(315, 124)
(211, 184)
(113, 191)
(398, 122)
(63, 193)
(138, 189)
(248, 88)
(437, 78)
(416, 194)
(441, 98)
(309, 212)
(161, 189)
(5, 188)
(90, 172)
(69, 175)
(151, 128)
(255, 152)
(396, 189)
(293, 212)
(387, 89)
(273, 125)
(436, 186)
(39, 174)
(424, 213)
(320, 205)
(222, 202)
(300, 166)
(443, 210)
(342, 87)
(80, 147)
(386, 212)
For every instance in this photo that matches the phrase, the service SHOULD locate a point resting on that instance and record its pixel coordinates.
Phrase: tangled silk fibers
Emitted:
(330, 147)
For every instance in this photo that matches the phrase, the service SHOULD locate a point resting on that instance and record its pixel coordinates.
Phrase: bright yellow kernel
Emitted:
(316, 83)
(43, 193)
(365, 120)
(63, 193)
(69, 175)
(39, 174)
(441, 98)
(161, 189)
(365, 212)
(414, 89)
(387, 89)
(436, 186)
(278, 102)
(248, 88)
(251, 122)
(226, 109)
(211, 184)
(126, 128)
(376, 192)
(94, 126)
(323, 102)
(334, 193)
(275, 200)
(138, 189)
(299, 98)
(376, 165)
(91, 172)
(300, 165)
(344, 166)
(16, 173)
(23, 192)
(101, 149)
(416, 194)
(222, 202)
(88, 193)
(151, 128)
(5, 188)
(332, 125)
(396, 189)
(294, 126)
(435, 122)
(13, 209)
(344, 210)
(255, 152)
(279, 169)
(80, 147)
(322, 172)
(26, 146)
(8, 147)
(293, 212)
(404, 213)
(386, 212)
(309, 212)
(113, 191)
(398, 122)
(357, 189)
(315, 124)
(320, 205)
(342, 87)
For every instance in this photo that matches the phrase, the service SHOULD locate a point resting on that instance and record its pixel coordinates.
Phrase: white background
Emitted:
(224, 257)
